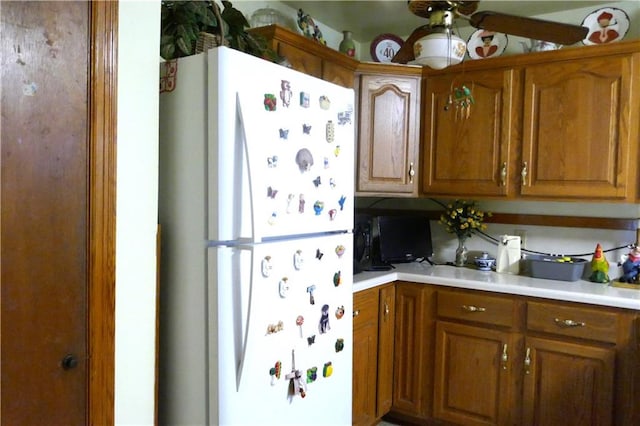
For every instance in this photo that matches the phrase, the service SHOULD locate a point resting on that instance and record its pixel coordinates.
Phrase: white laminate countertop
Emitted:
(572, 291)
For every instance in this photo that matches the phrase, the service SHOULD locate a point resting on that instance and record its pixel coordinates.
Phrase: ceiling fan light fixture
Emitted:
(439, 50)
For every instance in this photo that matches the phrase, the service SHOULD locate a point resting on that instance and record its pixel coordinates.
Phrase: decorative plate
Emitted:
(606, 25)
(486, 44)
(385, 46)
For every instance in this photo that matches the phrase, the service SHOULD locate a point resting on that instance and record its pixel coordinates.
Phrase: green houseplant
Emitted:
(183, 21)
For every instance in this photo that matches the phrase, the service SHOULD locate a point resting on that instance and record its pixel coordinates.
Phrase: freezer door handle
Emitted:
(251, 188)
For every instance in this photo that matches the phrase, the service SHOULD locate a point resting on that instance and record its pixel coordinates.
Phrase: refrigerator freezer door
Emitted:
(284, 342)
(283, 146)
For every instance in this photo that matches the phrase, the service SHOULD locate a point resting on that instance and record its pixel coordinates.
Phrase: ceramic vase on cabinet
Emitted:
(347, 45)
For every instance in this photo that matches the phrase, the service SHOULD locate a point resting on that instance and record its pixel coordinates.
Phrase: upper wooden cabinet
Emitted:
(467, 150)
(388, 130)
(310, 57)
(551, 125)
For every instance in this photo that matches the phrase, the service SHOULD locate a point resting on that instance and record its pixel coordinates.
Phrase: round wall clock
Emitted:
(385, 46)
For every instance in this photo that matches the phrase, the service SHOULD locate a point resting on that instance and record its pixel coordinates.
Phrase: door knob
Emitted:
(69, 362)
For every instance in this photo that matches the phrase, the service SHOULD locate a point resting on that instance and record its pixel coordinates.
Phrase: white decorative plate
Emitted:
(385, 46)
(486, 44)
(606, 25)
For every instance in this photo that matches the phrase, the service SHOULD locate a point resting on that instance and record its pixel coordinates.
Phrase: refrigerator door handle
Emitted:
(250, 188)
(243, 350)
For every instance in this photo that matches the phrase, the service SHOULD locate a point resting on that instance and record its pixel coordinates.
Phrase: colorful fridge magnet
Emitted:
(332, 214)
(341, 202)
(339, 345)
(304, 160)
(301, 203)
(270, 102)
(266, 266)
(337, 278)
(318, 206)
(344, 117)
(306, 129)
(284, 133)
(285, 92)
(297, 386)
(271, 193)
(298, 260)
(283, 287)
(340, 249)
(312, 374)
(325, 103)
(310, 290)
(330, 131)
(275, 328)
(272, 161)
(299, 322)
(332, 183)
(319, 254)
(340, 312)
(336, 151)
(317, 181)
(327, 370)
(311, 340)
(305, 99)
(326, 162)
(273, 218)
(275, 372)
(324, 320)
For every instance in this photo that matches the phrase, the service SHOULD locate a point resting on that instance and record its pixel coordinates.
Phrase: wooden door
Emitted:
(413, 378)
(568, 383)
(466, 151)
(473, 374)
(388, 134)
(578, 137)
(57, 198)
(365, 356)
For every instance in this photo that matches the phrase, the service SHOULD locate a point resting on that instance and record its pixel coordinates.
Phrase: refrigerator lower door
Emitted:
(283, 320)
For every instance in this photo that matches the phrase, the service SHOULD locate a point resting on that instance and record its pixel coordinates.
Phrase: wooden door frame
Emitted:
(102, 86)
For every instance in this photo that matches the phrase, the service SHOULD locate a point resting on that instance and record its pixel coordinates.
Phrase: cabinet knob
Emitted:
(356, 313)
(412, 172)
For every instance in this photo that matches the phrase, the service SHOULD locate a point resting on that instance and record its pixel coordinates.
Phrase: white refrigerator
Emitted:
(256, 215)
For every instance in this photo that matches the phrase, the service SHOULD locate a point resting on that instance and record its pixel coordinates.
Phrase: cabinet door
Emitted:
(413, 376)
(388, 134)
(466, 151)
(578, 135)
(567, 383)
(473, 374)
(386, 323)
(365, 356)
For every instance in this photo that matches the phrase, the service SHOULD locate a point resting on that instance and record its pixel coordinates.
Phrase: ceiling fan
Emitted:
(442, 13)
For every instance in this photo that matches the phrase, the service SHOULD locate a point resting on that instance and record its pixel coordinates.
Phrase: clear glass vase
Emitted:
(461, 251)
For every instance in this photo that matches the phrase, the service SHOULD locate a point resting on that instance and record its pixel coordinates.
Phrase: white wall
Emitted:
(137, 211)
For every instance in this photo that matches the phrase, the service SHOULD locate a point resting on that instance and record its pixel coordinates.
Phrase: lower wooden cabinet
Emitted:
(467, 357)
(373, 331)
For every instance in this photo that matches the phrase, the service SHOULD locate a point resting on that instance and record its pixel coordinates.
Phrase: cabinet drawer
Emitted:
(476, 307)
(573, 321)
(365, 307)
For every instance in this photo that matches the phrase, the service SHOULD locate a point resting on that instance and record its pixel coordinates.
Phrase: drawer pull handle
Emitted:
(503, 174)
(472, 308)
(505, 356)
(524, 174)
(568, 323)
(411, 173)
(527, 361)
(356, 313)
(386, 309)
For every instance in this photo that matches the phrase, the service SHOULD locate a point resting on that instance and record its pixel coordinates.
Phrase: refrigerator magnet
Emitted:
(285, 92)
(311, 340)
(283, 287)
(304, 160)
(318, 206)
(310, 290)
(271, 193)
(319, 254)
(266, 266)
(325, 103)
(284, 133)
(305, 99)
(299, 322)
(340, 312)
(312, 374)
(301, 202)
(274, 328)
(306, 129)
(340, 249)
(275, 372)
(330, 131)
(317, 181)
(336, 151)
(337, 278)
(324, 320)
(339, 345)
(272, 161)
(341, 202)
(327, 370)
(297, 260)
(270, 102)
(344, 117)
(332, 214)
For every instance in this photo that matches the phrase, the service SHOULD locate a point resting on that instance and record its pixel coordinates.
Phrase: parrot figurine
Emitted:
(599, 266)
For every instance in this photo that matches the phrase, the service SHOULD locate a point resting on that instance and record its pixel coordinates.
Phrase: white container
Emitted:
(508, 258)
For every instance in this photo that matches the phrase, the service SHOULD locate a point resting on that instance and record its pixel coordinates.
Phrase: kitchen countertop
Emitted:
(572, 291)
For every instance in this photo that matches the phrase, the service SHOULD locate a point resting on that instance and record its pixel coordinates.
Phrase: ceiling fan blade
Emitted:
(405, 54)
(533, 28)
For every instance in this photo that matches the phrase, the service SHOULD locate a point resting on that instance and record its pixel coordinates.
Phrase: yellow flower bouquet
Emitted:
(462, 218)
